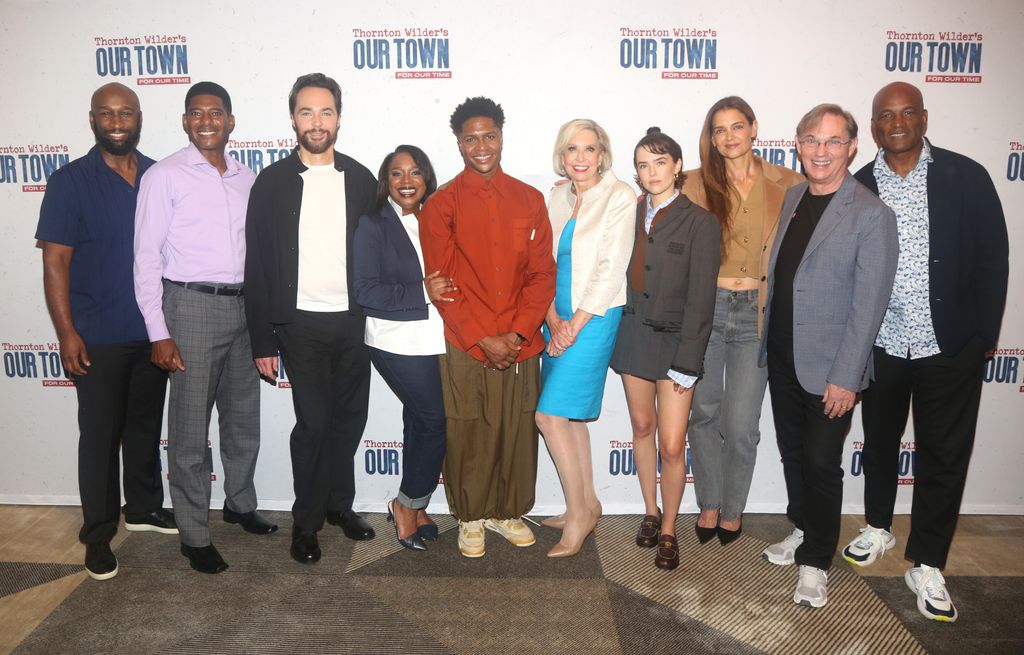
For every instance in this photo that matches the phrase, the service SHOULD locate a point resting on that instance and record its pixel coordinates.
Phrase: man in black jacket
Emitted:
(943, 317)
(299, 301)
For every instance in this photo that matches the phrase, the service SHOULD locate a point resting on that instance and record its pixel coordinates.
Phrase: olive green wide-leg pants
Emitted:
(490, 466)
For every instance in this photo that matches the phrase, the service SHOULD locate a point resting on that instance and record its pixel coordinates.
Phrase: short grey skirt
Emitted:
(641, 351)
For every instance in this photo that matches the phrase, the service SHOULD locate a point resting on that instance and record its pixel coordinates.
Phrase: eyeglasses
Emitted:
(832, 145)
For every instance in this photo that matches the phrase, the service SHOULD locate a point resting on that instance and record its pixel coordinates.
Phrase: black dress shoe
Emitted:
(353, 525)
(204, 559)
(162, 521)
(250, 521)
(728, 536)
(305, 547)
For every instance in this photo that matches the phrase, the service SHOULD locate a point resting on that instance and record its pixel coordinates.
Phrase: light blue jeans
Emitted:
(724, 430)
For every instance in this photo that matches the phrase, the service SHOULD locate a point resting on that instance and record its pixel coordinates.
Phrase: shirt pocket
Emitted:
(522, 231)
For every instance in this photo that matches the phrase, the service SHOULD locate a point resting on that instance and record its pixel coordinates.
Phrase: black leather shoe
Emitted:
(100, 562)
(353, 525)
(162, 521)
(305, 547)
(250, 521)
(204, 559)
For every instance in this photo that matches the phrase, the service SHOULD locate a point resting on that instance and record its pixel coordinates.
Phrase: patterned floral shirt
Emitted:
(907, 328)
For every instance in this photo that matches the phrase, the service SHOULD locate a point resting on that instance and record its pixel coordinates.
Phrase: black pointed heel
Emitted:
(412, 543)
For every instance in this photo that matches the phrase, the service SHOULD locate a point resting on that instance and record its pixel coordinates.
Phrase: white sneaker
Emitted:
(811, 587)
(471, 538)
(932, 598)
(869, 546)
(514, 530)
(782, 552)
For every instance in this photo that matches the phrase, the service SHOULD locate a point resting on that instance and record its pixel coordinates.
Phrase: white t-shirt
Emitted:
(323, 280)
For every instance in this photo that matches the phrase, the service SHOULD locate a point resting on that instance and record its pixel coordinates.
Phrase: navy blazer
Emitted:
(388, 278)
(968, 250)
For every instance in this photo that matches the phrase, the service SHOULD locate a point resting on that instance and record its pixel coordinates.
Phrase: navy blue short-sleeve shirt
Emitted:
(92, 209)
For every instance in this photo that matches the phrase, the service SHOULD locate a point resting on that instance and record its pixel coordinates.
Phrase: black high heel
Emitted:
(728, 536)
(704, 535)
(427, 531)
(415, 542)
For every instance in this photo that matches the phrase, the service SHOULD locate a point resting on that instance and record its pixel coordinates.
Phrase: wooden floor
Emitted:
(984, 546)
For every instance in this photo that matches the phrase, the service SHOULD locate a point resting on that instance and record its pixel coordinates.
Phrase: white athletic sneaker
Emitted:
(869, 546)
(811, 587)
(932, 598)
(782, 552)
(471, 538)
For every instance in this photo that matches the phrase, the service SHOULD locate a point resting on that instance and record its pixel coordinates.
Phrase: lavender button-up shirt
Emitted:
(189, 227)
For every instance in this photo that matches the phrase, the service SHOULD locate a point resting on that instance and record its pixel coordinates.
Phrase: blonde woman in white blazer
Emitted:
(592, 220)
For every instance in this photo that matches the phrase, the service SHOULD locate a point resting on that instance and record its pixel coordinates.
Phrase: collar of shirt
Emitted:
(94, 164)
(884, 173)
(195, 158)
(653, 211)
(477, 183)
(398, 210)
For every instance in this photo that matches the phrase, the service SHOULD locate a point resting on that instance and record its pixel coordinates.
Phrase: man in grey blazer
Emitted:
(830, 275)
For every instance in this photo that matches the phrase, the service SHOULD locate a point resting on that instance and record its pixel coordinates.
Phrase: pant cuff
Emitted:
(414, 503)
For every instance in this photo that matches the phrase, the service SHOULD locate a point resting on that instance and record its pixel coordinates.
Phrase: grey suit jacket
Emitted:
(841, 287)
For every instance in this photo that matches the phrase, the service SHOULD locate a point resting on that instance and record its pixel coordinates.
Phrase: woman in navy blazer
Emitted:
(404, 332)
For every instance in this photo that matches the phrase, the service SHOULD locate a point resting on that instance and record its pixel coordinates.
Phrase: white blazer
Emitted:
(602, 242)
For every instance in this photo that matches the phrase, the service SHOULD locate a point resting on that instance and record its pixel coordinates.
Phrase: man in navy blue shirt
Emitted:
(86, 226)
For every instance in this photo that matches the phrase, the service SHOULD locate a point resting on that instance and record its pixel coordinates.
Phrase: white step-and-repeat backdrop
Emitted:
(403, 67)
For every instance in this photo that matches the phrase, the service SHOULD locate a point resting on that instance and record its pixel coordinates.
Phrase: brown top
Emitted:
(775, 181)
(743, 252)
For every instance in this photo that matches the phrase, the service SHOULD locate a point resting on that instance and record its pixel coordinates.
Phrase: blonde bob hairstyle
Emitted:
(566, 134)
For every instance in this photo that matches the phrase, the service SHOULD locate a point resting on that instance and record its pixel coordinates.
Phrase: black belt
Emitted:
(212, 290)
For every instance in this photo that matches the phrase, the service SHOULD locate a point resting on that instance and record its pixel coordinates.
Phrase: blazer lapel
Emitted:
(785, 216)
(833, 215)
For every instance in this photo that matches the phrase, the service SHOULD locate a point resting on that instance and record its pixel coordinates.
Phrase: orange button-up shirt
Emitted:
(493, 238)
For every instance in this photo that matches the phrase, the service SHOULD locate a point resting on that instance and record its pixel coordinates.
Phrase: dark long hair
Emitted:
(422, 162)
(720, 193)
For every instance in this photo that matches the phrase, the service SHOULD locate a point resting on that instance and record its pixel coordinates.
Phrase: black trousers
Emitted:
(328, 366)
(120, 411)
(945, 392)
(811, 445)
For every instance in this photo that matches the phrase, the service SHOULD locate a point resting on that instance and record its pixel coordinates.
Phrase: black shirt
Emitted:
(791, 252)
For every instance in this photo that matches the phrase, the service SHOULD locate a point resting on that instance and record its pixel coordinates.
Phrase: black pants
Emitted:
(416, 380)
(329, 369)
(945, 392)
(811, 445)
(120, 410)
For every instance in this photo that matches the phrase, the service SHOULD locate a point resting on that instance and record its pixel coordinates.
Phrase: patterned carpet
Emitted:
(375, 597)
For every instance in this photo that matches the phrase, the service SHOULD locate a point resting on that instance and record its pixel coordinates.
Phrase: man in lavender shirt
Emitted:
(189, 266)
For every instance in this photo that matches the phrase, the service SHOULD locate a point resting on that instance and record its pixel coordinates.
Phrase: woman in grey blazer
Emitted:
(670, 303)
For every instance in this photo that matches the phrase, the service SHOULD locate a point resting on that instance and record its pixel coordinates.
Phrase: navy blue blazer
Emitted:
(388, 278)
(968, 250)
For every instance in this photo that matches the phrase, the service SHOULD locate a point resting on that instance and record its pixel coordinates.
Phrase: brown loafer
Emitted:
(647, 535)
(668, 553)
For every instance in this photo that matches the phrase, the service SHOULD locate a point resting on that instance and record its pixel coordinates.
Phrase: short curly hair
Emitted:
(475, 108)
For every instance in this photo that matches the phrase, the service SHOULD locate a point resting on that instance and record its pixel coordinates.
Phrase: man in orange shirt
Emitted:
(490, 234)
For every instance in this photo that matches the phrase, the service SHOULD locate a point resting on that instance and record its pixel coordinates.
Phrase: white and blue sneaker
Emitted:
(869, 546)
(932, 598)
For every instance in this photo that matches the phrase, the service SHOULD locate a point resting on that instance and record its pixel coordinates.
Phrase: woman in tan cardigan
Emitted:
(745, 193)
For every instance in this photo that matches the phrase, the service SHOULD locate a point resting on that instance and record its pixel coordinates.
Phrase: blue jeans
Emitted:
(416, 380)
(724, 430)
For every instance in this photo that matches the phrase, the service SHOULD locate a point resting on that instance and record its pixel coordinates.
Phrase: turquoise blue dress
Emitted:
(572, 384)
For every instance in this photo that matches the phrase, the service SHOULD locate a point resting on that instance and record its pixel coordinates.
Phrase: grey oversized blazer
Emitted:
(841, 287)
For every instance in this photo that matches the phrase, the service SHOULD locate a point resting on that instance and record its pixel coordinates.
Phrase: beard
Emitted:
(115, 148)
(314, 147)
